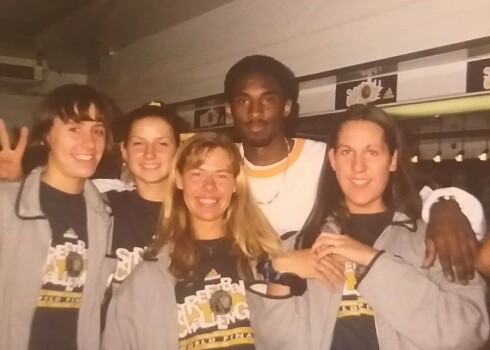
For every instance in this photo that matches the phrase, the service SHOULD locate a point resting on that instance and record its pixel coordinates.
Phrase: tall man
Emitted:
(261, 94)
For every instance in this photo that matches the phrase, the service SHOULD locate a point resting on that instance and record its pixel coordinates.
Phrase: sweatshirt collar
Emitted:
(28, 204)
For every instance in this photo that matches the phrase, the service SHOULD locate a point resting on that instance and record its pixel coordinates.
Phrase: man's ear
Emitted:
(178, 181)
(331, 159)
(227, 108)
(394, 159)
(287, 108)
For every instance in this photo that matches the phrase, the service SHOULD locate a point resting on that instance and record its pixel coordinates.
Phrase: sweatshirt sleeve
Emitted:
(279, 323)
(119, 330)
(424, 307)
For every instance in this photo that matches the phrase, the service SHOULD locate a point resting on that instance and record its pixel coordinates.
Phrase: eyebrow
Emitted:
(230, 171)
(268, 92)
(349, 146)
(156, 138)
(97, 122)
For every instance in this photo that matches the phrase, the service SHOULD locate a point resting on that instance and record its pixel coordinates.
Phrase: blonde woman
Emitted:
(210, 237)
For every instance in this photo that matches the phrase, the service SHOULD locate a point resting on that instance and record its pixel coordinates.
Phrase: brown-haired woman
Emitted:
(368, 217)
(54, 231)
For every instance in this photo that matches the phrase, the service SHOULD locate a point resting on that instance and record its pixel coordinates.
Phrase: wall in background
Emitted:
(190, 59)
(17, 109)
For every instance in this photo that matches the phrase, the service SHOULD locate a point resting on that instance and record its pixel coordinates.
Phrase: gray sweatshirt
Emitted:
(143, 311)
(414, 308)
(25, 237)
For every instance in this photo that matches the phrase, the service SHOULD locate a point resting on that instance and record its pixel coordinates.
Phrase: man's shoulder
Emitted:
(311, 151)
(312, 145)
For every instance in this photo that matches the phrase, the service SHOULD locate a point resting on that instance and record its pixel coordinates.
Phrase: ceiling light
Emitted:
(453, 105)
(459, 157)
(416, 156)
(484, 155)
(437, 157)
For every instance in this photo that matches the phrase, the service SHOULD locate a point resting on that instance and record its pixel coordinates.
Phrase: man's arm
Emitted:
(455, 219)
(468, 204)
(483, 260)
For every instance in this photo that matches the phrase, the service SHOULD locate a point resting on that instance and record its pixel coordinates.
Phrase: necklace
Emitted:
(283, 178)
(210, 247)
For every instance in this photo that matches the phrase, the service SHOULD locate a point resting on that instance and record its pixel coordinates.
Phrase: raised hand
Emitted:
(11, 158)
(329, 270)
(343, 245)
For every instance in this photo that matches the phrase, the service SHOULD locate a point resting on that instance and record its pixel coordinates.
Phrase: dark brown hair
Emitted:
(70, 102)
(158, 110)
(400, 194)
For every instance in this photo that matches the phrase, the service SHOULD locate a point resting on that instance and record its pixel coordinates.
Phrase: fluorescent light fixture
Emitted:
(460, 104)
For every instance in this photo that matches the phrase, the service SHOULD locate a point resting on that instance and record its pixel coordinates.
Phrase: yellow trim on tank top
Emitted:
(281, 166)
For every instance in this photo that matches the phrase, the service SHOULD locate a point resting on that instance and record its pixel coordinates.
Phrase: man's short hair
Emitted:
(264, 65)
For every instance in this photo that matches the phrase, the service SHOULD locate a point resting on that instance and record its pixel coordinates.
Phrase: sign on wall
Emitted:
(478, 75)
(210, 117)
(378, 90)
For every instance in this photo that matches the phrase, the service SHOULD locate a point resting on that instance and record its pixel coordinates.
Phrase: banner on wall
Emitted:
(378, 90)
(210, 117)
(478, 75)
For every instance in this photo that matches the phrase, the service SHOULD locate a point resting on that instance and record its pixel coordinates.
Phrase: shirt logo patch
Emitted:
(212, 275)
(70, 234)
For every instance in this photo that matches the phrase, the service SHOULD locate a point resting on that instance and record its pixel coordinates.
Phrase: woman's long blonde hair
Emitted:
(252, 236)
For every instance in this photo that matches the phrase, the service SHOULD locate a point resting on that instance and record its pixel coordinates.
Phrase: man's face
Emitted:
(258, 107)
